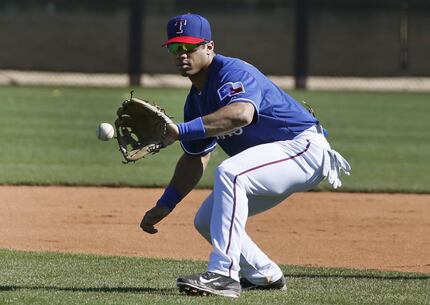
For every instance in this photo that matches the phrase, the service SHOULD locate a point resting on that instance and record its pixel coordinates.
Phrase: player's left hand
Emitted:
(172, 134)
(142, 128)
(152, 217)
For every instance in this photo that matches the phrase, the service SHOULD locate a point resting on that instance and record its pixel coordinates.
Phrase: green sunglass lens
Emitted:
(175, 47)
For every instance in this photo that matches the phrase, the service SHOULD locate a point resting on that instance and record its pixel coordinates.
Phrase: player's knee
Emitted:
(202, 225)
(198, 223)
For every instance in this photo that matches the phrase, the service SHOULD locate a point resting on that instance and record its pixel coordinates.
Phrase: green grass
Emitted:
(48, 137)
(53, 278)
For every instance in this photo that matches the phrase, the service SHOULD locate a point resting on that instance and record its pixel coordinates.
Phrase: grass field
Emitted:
(48, 137)
(50, 278)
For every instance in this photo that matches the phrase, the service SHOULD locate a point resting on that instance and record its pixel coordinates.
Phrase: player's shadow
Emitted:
(144, 290)
(174, 291)
(360, 276)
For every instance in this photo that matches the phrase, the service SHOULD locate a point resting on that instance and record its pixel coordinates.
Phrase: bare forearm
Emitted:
(228, 118)
(188, 172)
(220, 122)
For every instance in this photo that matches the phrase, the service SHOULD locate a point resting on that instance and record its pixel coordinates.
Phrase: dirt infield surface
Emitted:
(364, 231)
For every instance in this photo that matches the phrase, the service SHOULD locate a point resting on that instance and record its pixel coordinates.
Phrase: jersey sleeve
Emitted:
(199, 147)
(240, 86)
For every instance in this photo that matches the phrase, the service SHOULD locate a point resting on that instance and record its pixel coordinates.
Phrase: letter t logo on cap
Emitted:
(179, 24)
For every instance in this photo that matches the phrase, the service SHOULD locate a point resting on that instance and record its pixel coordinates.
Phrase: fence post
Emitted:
(404, 37)
(135, 42)
(301, 43)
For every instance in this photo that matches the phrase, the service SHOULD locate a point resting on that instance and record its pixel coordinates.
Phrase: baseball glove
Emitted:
(141, 128)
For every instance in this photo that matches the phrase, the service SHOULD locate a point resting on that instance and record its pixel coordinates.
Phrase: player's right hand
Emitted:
(152, 217)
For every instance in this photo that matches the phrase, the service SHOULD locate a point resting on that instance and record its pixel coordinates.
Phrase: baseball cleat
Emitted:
(209, 283)
(280, 284)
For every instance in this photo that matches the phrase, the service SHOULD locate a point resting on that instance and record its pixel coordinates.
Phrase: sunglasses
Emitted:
(176, 47)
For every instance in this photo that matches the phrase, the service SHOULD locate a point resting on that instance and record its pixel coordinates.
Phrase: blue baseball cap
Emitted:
(188, 28)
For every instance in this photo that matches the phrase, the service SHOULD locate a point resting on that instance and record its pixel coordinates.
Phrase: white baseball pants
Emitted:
(251, 182)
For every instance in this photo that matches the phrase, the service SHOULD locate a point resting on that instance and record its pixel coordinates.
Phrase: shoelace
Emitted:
(208, 275)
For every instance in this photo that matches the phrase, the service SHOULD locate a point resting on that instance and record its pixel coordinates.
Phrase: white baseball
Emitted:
(105, 131)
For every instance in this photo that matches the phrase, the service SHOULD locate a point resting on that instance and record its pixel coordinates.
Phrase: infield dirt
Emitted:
(352, 230)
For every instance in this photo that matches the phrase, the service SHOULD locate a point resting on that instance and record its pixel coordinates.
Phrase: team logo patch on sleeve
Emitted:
(230, 89)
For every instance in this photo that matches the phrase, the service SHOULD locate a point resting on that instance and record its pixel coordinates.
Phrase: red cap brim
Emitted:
(184, 39)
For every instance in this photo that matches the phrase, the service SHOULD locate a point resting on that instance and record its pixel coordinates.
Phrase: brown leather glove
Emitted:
(142, 128)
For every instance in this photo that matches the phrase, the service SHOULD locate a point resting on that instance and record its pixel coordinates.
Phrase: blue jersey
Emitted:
(277, 115)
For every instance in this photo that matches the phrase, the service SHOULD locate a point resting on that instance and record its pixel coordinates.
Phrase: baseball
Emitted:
(105, 131)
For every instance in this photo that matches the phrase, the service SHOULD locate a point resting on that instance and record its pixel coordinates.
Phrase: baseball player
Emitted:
(276, 147)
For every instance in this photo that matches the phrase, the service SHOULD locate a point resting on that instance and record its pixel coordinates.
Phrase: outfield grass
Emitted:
(48, 137)
(52, 278)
